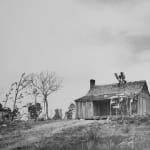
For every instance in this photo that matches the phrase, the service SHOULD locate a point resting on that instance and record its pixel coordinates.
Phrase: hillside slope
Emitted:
(79, 135)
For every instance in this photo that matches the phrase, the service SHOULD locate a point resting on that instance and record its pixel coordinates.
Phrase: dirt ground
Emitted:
(77, 135)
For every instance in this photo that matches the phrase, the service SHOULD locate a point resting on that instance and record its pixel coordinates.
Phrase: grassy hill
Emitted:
(76, 135)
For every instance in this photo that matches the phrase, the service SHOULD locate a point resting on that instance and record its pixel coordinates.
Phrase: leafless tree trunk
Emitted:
(46, 102)
(18, 88)
(8, 95)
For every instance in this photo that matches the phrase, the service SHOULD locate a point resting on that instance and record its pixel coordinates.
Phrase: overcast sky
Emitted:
(78, 39)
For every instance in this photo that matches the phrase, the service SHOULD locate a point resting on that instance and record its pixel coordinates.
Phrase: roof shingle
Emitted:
(101, 92)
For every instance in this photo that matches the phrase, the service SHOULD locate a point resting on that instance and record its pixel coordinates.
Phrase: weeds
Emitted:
(92, 137)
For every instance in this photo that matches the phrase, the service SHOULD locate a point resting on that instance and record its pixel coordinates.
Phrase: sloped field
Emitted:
(78, 135)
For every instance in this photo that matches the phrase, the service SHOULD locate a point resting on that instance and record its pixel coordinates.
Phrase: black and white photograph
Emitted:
(74, 75)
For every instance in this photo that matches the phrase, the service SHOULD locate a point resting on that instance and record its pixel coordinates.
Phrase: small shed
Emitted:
(114, 99)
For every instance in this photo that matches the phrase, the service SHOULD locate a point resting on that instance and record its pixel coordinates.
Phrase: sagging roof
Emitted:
(101, 92)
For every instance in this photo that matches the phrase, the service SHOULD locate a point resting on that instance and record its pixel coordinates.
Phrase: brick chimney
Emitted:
(92, 83)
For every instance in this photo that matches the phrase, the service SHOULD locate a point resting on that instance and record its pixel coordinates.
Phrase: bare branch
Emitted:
(45, 83)
(17, 89)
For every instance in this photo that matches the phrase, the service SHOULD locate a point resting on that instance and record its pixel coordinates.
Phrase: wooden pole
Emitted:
(116, 111)
(110, 107)
(130, 106)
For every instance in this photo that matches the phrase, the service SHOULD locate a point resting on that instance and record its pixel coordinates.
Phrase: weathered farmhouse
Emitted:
(114, 99)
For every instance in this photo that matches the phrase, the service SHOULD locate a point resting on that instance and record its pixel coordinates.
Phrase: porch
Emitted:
(108, 107)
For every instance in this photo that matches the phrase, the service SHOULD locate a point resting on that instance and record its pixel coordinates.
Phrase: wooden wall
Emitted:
(84, 110)
(143, 104)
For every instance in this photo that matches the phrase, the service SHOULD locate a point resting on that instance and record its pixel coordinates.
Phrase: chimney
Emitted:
(92, 83)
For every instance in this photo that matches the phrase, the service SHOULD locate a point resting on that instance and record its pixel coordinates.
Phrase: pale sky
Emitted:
(78, 39)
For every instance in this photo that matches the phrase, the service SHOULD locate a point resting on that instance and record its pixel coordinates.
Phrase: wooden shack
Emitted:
(114, 99)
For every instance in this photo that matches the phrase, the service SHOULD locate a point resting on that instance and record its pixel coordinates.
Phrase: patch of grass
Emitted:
(95, 136)
(11, 126)
(78, 138)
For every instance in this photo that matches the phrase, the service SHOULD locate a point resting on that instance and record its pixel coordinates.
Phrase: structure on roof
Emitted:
(114, 99)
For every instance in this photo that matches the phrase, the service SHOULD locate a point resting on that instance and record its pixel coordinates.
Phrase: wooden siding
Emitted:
(143, 104)
(84, 110)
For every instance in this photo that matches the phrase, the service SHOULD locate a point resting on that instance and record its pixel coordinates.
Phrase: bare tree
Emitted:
(46, 83)
(17, 91)
(9, 95)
